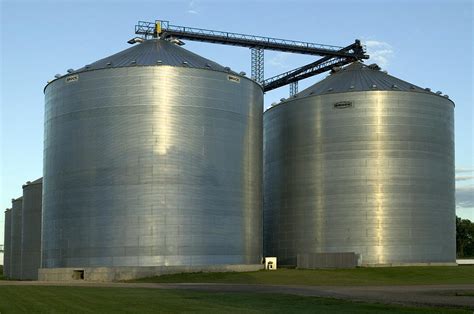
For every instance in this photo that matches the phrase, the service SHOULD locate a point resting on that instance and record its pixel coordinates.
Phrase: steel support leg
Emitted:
(293, 88)
(257, 58)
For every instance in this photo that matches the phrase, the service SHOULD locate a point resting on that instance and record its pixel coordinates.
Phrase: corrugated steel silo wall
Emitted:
(375, 179)
(15, 266)
(31, 231)
(148, 166)
(7, 243)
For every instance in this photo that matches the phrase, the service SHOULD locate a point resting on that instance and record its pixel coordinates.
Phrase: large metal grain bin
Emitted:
(7, 243)
(361, 162)
(152, 156)
(31, 230)
(15, 239)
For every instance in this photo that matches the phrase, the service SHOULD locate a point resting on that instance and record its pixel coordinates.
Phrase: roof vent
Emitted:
(186, 63)
(374, 66)
(446, 96)
(109, 64)
(159, 62)
(282, 99)
(439, 92)
(242, 73)
(227, 69)
(70, 70)
(352, 87)
(88, 66)
(273, 104)
(134, 62)
(208, 65)
(395, 86)
(428, 89)
(57, 76)
(135, 40)
(384, 71)
(330, 89)
(412, 87)
(335, 70)
(311, 93)
(374, 86)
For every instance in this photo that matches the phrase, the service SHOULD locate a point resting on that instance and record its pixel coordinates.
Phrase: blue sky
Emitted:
(429, 43)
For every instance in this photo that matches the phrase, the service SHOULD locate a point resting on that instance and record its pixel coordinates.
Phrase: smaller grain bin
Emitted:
(7, 243)
(15, 239)
(361, 162)
(31, 229)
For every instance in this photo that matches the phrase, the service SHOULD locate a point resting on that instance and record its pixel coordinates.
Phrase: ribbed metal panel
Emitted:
(375, 177)
(31, 230)
(7, 243)
(15, 266)
(152, 165)
(150, 53)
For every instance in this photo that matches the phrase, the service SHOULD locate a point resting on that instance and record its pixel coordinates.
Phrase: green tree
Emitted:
(464, 237)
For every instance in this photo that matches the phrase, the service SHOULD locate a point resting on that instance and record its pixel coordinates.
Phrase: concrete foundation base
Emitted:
(407, 264)
(105, 274)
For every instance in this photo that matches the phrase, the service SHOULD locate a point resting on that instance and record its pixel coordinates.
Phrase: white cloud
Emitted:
(463, 170)
(192, 7)
(380, 52)
(464, 178)
(280, 60)
(465, 196)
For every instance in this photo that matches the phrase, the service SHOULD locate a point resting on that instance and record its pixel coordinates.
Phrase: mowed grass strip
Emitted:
(38, 299)
(424, 275)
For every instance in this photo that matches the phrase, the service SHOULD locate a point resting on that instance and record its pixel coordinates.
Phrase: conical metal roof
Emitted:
(360, 77)
(154, 52)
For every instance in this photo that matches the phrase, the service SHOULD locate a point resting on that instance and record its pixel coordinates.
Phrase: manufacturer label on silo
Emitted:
(72, 78)
(233, 78)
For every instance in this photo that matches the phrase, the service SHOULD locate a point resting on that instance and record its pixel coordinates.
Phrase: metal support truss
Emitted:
(331, 55)
(293, 88)
(257, 60)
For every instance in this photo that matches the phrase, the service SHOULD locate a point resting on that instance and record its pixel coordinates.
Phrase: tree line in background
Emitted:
(464, 237)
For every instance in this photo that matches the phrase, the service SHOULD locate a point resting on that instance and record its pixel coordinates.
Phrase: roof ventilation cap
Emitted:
(374, 86)
(439, 92)
(282, 99)
(352, 87)
(446, 96)
(395, 86)
(159, 62)
(374, 66)
(70, 70)
(428, 89)
(242, 73)
(109, 64)
(57, 76)
(330, 89)
(335, 70)
(134, 62)
(227, 69)
(185, 62)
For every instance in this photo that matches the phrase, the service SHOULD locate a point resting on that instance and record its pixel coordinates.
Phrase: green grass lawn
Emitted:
(357, 277)
(28, 299)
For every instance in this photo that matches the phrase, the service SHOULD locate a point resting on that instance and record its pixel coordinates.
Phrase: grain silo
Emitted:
(31, 230)
(15, 239)
(361, 162)
(7, 243)
(152, 157)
